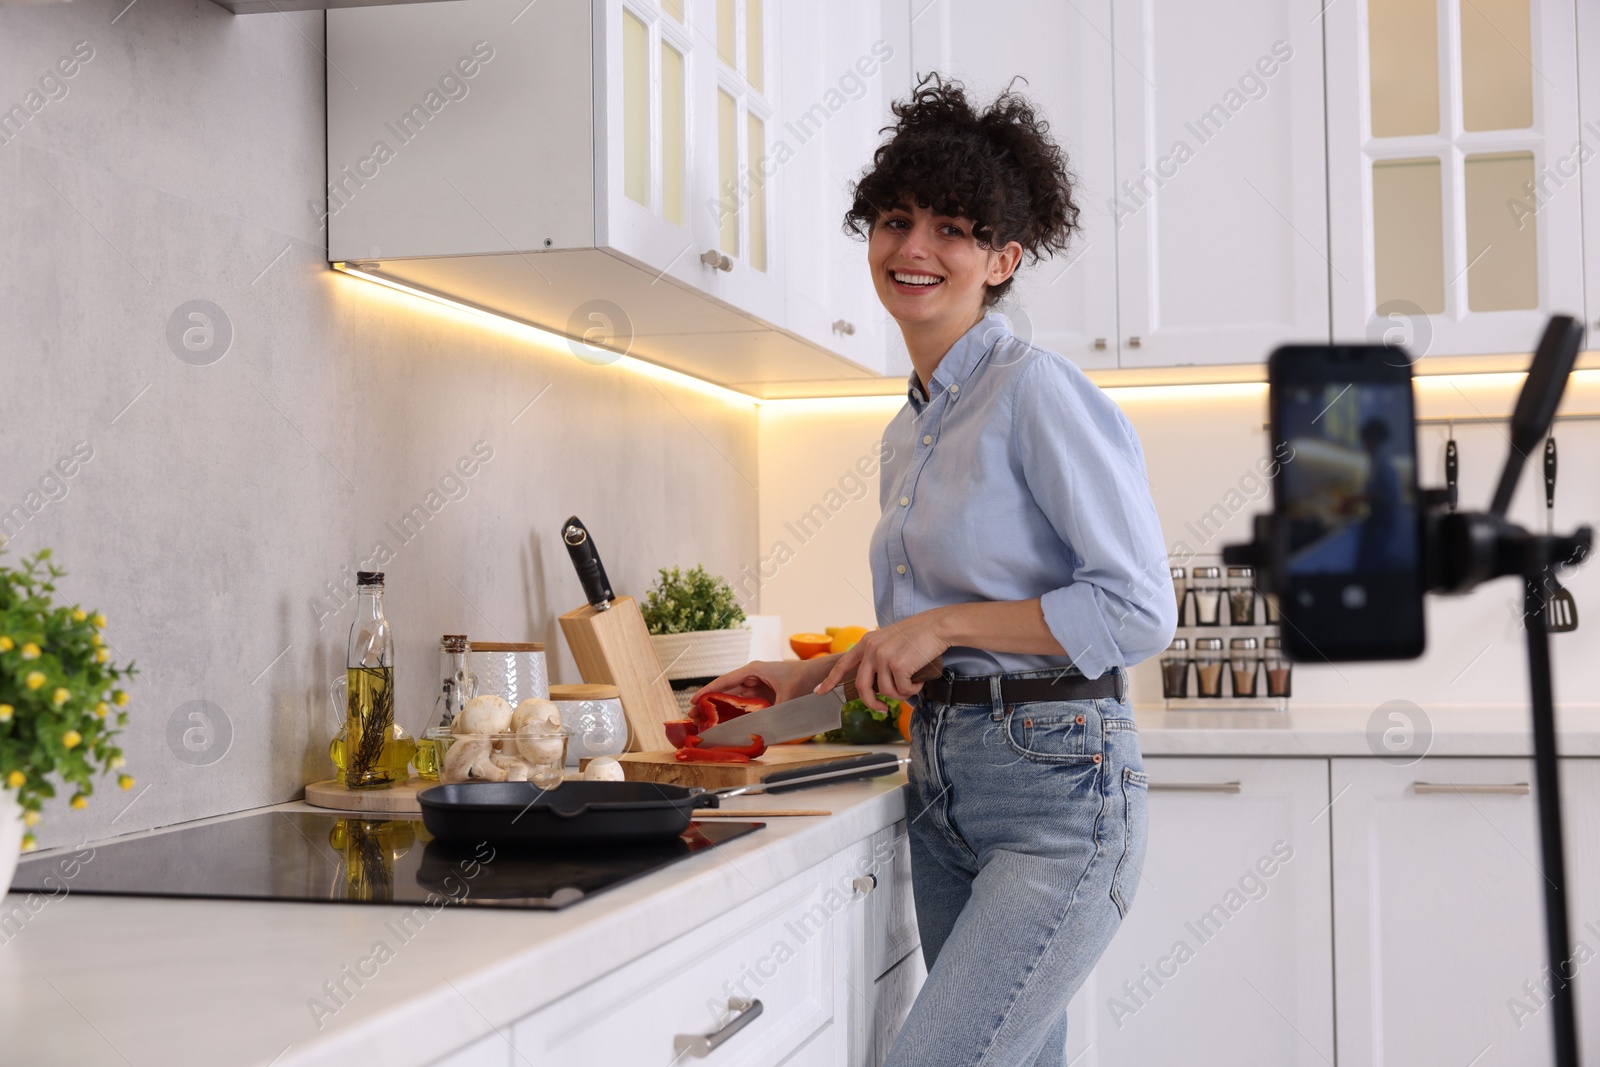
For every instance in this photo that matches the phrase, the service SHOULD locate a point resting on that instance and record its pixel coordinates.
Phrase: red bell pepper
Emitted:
(725, 706)
(696, 752)
(681, 731)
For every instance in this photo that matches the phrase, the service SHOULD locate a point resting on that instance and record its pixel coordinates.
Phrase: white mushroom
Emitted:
(603, 769)
(518, 772)
(503, 758)
(533, 710)
(483, 715)
(471, 758)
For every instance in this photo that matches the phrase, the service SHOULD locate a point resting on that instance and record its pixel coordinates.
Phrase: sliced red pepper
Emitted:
(712, 755)
(702, 715)
(680, 731)
(725, 706)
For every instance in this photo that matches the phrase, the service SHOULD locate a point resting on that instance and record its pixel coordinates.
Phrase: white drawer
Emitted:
(777, 949)
(892, 996)
(891, 919)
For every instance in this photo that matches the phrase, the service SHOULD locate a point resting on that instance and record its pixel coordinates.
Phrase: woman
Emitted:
(1018, 541)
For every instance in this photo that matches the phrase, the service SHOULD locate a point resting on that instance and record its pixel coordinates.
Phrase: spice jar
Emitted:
(1175, 670)
(1180, 589)
(1244, 661)
(1242, 596)
(1207, 590)
(1208, 666)
(1277, 668)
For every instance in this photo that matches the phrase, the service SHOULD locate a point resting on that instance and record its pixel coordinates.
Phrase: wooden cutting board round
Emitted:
(397, 799)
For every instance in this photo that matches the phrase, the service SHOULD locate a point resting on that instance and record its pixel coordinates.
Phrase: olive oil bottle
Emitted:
(376, 752)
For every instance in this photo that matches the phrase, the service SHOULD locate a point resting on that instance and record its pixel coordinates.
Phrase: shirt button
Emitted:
(927, 439)
(905, 501)
(900, 569)
(955, 389)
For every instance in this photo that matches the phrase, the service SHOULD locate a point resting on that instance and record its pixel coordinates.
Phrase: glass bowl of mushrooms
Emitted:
(490, 741)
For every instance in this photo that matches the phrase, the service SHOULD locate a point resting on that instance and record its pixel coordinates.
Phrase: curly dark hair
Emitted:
(997, 167)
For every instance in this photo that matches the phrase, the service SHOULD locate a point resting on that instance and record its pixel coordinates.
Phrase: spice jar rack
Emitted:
(1228, 651)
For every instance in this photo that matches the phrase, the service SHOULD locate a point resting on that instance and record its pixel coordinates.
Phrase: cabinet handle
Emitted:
(1519, 789)
(1133, 342)
(1195, 787)
(846, 328)
(1099, 343)
(702, 1045)
(865, 884)
(716, 260)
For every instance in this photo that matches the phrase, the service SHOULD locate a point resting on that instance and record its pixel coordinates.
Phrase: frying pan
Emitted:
(605, 813)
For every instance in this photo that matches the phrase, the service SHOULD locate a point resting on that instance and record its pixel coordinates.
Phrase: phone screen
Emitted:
(1348, 492)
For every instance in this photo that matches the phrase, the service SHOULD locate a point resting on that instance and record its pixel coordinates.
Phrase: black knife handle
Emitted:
(1452, 472)
(866, 765)
(591, 574)
(926, 673)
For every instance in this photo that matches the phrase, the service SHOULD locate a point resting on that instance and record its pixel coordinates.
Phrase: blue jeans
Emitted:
(1028, 829)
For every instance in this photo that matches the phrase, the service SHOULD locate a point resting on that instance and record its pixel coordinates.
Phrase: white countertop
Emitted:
(121, 980)
(1311, 731)
(91, 980)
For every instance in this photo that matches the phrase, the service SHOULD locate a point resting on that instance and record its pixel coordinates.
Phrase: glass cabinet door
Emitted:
(1452, 232)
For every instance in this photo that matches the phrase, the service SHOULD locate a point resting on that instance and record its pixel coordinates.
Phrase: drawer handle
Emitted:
(846, 328)
(1099, 344)
(702, 1045)
(716, 260)
(1133, 342)
(1519, 789)
(1195, 787)
(865, 884)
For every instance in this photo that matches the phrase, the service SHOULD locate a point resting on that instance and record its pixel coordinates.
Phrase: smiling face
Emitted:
(930, 271)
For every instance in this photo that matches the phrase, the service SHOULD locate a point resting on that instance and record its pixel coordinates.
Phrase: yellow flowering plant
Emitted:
(60, 693)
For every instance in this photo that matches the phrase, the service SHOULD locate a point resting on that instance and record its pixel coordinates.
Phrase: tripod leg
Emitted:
(1546, 767)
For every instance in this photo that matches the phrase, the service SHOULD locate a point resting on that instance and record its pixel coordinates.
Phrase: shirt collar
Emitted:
(962, 359)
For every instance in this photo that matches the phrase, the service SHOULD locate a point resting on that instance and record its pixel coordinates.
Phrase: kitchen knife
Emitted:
(805, 716)
(591, 573)
(866, 765)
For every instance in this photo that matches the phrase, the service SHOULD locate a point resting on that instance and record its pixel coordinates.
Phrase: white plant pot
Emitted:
(702, 653)
(10, 837)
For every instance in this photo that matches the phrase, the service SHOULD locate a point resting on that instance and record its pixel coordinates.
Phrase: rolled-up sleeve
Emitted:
(1085, 468)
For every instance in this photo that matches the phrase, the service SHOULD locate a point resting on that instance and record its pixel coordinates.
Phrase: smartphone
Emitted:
(1344, 427)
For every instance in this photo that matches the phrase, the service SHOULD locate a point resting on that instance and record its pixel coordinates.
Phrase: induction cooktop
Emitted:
(346, 859)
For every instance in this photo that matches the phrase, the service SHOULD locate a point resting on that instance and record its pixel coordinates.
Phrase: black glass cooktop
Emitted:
(350, 860)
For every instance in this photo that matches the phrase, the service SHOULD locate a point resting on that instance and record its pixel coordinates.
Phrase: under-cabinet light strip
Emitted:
(628, 363)
(1152, 391)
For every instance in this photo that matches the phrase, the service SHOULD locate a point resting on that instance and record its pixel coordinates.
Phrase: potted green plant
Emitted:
(60, 702)
(696, 624)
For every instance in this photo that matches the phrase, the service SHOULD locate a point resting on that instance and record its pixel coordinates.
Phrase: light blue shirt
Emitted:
(1018, 478)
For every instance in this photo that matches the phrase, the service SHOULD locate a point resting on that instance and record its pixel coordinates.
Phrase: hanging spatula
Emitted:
(1560, 610)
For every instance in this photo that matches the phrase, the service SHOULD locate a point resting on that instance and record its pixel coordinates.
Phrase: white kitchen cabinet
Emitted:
(1068, 303)
(1567, 163)
(778, 950)
(1439, 933)
(1453, 157)
(880, 950)
(601, 168)
(893, 993)
(1226, 954)
(1220, 209)
(844, 64)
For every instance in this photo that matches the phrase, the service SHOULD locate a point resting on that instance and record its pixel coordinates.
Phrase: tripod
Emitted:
(1461, 550)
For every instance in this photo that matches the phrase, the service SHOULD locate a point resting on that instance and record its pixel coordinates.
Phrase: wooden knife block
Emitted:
(613, 648)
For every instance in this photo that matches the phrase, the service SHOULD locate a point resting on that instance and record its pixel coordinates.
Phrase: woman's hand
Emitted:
(774, 681)
(884, 660)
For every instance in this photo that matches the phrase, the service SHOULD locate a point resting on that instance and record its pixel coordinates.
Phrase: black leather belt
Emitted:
(1064, 686)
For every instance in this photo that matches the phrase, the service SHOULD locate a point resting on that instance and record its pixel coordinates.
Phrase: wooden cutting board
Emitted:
(663, 766)
(397, 799)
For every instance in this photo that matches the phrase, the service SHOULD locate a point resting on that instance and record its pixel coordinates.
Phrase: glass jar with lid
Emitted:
(1244, 662)
(1278, 668)
(1208, 667)
(1207, 590)
(1180, 589)
(1175, 670)
(1242, 596)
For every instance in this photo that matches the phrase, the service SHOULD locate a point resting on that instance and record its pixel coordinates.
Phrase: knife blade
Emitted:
(805, 716)
(591, 572)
